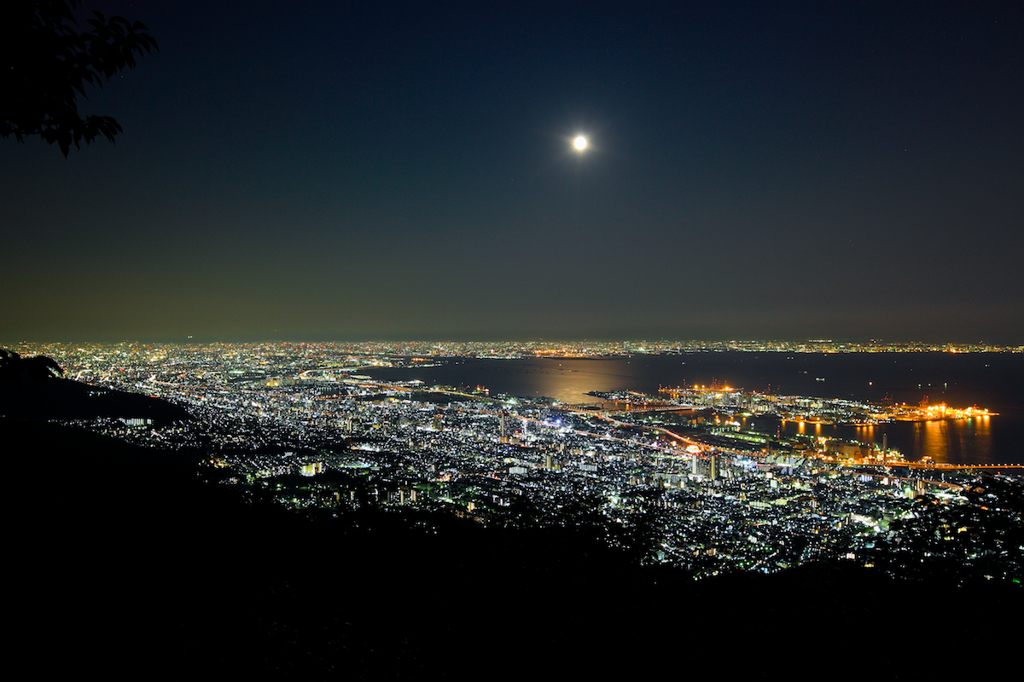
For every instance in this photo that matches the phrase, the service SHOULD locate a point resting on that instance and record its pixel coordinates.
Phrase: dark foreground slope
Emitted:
(33, 399)
(125, 562)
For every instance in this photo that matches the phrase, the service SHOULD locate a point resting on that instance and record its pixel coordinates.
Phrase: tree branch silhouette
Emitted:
(47, 64)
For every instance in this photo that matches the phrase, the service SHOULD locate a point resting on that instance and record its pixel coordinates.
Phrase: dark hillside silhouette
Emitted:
(33, 389)
(15, 368)
(134, 564)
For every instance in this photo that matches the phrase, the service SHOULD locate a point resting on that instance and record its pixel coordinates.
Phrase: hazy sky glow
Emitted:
(393, 170)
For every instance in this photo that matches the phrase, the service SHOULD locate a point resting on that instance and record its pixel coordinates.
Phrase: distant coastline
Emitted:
(906, 373)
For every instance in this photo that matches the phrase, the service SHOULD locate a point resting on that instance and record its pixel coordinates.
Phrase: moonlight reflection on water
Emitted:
(988, 380)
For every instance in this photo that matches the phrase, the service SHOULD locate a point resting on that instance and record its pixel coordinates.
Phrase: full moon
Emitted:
(580, 143)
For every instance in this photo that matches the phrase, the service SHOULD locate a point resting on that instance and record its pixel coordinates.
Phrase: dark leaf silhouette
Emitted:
(47, 63)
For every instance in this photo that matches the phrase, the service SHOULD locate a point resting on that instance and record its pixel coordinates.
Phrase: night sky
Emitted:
(357, 171)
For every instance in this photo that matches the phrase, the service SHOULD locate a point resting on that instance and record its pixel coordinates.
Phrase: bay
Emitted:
(988, 380)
